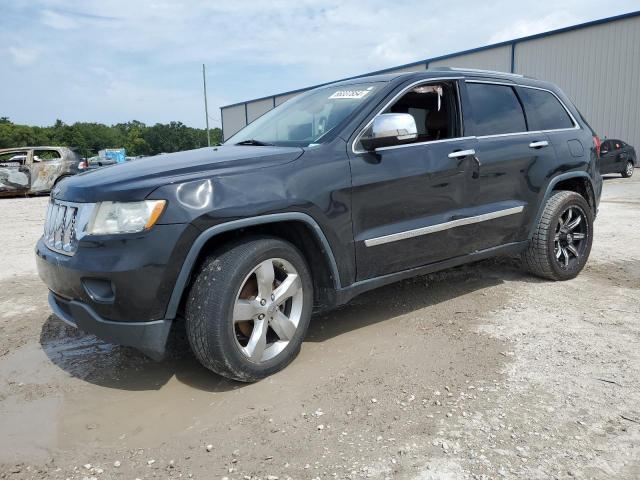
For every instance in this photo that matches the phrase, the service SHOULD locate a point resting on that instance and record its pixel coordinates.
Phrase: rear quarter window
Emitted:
(496, 109)
(544, 111)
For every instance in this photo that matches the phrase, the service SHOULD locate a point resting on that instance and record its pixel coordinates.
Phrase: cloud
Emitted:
(22, 57)
(111, 59)
(58, 21)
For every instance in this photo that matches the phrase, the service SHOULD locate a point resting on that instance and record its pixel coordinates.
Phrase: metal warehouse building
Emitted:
(596, 63)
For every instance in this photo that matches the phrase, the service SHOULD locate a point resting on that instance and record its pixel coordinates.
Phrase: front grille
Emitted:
(60, 227)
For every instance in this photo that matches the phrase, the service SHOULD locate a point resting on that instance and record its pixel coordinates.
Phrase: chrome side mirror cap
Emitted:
(390, 129)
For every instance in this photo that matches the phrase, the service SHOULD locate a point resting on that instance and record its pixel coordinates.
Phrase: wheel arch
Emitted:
(298, 228)
(579, 182)
(60, 178)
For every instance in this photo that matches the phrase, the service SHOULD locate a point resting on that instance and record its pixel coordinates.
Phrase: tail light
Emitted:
(82, 165)
(597, 143)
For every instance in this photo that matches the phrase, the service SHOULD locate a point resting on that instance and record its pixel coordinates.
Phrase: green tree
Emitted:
(136, 137)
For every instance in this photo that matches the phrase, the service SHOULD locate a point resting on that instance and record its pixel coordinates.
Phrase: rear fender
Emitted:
(550, 189)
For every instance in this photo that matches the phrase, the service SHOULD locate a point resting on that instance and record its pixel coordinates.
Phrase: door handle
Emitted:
(540, 144)
(462, 153)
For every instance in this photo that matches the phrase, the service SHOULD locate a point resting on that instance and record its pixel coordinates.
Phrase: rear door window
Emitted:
(45, 155)
(496, 109)
(544, 110)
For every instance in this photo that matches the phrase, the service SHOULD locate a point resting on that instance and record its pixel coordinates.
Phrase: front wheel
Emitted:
(628, 170)
(249, 308)
(562, 240)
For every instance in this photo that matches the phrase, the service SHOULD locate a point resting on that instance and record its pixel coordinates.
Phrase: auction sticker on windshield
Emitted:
(350, 93)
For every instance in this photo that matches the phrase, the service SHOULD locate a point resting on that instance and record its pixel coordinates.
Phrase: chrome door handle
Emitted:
(462, 153)
(540, 144)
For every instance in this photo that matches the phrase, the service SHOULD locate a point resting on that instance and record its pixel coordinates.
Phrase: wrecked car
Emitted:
(34, 170)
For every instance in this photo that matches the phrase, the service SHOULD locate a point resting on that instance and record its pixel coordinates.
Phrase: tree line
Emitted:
(88, 138)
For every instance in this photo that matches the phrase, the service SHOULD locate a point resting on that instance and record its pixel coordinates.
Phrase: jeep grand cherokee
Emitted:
(340, 190)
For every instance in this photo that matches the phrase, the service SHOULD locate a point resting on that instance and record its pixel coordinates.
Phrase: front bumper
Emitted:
(119, 287)
(148, 337)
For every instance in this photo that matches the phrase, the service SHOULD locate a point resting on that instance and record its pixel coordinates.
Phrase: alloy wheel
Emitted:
(570, 236)
(267, 309)
(629, 169)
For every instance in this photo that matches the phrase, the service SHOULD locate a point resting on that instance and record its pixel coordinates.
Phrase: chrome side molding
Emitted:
(417, 232)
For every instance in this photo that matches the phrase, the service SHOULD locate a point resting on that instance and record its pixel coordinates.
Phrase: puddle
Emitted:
(86, 357)
(98, 396)
(27, 429)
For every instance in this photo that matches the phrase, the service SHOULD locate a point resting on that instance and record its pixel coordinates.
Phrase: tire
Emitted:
(232, 284)
(628, 170)
(548, 254)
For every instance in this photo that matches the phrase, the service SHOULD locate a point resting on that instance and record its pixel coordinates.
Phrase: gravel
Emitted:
(478, 372)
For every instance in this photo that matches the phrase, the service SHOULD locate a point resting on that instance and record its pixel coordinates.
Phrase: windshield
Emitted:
(305, 119)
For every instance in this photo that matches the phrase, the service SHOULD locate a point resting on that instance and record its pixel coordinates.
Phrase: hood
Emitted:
(135, 180)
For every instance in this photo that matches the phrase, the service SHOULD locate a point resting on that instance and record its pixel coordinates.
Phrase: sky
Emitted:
(112, 61)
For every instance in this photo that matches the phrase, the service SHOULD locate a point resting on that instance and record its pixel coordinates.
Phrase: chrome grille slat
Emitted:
(60, 227)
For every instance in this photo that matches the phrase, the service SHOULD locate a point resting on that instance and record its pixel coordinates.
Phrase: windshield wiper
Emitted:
(256, 143)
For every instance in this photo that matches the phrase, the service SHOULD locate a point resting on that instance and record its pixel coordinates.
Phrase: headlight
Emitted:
(125, 217)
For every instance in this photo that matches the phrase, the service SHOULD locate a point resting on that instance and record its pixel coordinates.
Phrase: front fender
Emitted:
(211, 232)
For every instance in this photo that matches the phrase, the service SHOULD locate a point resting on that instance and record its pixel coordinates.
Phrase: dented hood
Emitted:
(135, 180)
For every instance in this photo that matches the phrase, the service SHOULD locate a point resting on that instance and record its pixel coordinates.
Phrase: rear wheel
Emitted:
(249, 308)
(628, 170)
(562, 240)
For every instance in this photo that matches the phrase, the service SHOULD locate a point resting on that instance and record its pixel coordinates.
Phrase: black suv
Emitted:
(343, 189)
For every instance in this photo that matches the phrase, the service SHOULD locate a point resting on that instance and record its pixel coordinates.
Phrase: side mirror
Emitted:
(389, 129)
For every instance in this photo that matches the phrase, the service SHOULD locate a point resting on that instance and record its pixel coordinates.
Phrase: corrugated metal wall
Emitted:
(258, 108)
(598, 66)
(491, 59)
(413, 68)
(233, 119)
(283, 98)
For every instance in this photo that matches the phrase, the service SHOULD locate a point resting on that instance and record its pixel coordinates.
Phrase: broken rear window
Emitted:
(12, 159)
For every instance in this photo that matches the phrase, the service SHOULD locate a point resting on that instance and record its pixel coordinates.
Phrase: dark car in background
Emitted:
(617, 156)
(340, 190)
(35, 170)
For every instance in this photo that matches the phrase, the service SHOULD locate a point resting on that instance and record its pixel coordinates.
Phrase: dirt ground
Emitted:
(477, 372)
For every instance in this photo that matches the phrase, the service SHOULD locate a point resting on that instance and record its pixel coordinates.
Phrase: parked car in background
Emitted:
(33, 170)
(617, 156)
(343, 189)
(93, 163)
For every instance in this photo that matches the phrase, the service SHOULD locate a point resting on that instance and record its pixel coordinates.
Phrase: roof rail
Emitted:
(478, 70)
